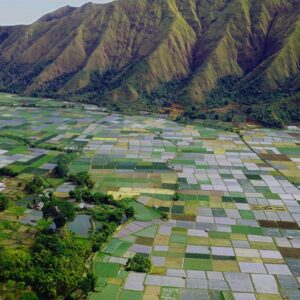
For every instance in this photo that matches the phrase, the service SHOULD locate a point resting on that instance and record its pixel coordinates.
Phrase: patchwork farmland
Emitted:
(232, 199)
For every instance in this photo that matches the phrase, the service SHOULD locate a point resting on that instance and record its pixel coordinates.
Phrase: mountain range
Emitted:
(127, 51)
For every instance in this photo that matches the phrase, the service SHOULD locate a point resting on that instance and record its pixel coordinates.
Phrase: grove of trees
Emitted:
(54, 266)
(139, 263)
(59, 211)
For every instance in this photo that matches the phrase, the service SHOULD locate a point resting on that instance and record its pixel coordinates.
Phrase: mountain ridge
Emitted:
(124, 50)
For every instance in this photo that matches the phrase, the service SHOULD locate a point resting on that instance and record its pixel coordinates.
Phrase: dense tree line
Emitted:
(62, 166)
(193, 113)
(21, 140)
(82, 179)
(271, 109)
(5, 171)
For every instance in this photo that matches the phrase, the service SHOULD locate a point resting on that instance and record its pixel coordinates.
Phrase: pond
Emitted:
(81, 226)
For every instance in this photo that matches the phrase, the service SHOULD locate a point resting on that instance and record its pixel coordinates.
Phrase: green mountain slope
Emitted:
(134, 49)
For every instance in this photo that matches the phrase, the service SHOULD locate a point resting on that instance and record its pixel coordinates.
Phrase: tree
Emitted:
(129, 212)
(87, 196)
(266, 116)
(4, 202)
(99, 239)
(35, 185)
(29, 296)
(43, 224)
(61, 169)
(164, 216)
(104, 199)
(62, 166)
(60, 211)
(176, 197)
(102, 235)
(139, 263)
(76, 194)
(88, 283)
(58, 265)
(82, 179)
(13, 264)
(116, 216)
(50, 242)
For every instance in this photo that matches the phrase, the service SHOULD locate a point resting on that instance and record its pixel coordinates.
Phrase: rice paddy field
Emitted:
(233, 231)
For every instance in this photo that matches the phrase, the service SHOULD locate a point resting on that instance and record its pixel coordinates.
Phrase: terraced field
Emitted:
(233, 200)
